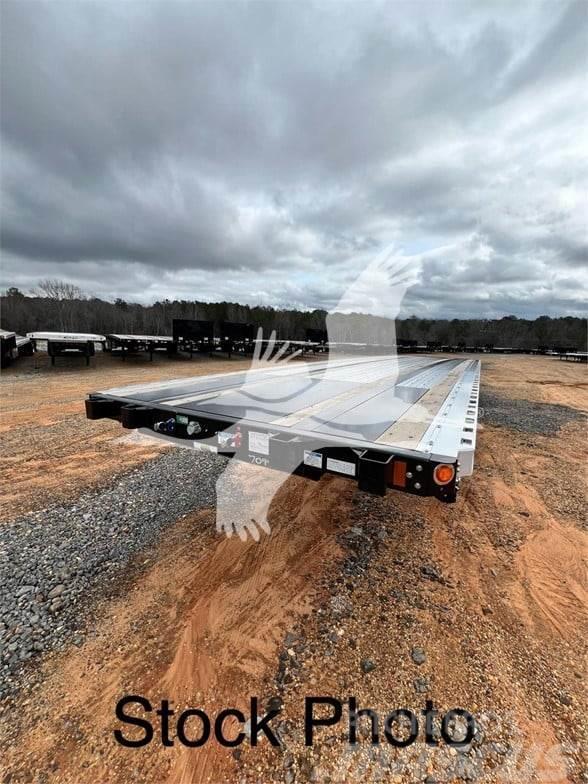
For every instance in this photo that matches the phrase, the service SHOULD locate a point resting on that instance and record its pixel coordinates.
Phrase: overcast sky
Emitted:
(265, 152)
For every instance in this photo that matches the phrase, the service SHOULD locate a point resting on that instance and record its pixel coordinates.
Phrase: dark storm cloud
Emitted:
(266, 151)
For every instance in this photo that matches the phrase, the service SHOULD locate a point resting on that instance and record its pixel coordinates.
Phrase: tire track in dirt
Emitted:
(201, 629)
(553, 576)
(248, 594)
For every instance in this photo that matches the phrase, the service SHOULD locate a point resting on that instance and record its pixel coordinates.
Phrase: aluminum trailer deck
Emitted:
(132, 344)
(407, 423)
(61, 344)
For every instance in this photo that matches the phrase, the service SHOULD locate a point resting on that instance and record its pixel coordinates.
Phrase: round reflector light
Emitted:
(443, 474)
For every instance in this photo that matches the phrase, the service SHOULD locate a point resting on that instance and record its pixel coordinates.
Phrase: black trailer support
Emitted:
(61, 348)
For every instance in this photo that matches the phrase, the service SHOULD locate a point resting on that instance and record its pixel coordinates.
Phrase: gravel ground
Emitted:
(54, 561)
(526, 416)
(390, 577)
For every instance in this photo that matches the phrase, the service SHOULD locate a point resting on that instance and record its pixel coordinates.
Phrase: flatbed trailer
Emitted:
(62, 344)
(133, 344)
(24, 346)
(194, 335)
(9, 349)
(574, 356)
(407, 423)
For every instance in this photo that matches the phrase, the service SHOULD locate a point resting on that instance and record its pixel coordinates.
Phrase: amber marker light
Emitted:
(399, 473)
(443, 474)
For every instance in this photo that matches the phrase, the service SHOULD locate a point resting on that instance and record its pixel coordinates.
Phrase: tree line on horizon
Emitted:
(62, 307)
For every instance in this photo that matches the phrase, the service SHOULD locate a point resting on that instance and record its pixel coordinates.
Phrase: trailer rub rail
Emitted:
(401, 422)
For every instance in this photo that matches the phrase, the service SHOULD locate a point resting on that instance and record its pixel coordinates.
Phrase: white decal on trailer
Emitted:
(314, 459)
(341, 466)
(259, 442)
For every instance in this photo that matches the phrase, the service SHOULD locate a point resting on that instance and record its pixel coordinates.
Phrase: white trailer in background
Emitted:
(60, 344)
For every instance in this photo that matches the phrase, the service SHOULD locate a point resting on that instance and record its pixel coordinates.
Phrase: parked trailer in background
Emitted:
(407, 423)
(14, 346)
(193, 335)
(61, 344)
(319, 338)
(24, 346)
(236, 337)
(9, 350)
(133, 344)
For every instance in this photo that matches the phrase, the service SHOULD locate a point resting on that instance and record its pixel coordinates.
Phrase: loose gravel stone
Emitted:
(54, 562)
(526, 416)
(564, 698)
(431, 573)
(421, 685)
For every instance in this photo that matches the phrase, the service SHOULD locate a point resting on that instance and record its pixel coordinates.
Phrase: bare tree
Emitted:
(58, 290)
(65, 296)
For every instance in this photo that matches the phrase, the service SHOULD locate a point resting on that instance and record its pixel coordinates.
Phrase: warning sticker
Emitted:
(314, 459)
(259, 442)
(341, 466)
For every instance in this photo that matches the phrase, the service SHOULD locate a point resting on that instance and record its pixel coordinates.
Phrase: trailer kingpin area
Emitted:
(401, 422)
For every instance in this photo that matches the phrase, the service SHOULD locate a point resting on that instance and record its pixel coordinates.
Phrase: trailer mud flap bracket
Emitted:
(102, 408)
(374, 471)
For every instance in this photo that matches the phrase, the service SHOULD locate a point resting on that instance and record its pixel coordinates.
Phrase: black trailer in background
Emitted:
(14, 346)
(319, 338)
(236, 337)
(134, 344)
(8, 347)
(193, 335)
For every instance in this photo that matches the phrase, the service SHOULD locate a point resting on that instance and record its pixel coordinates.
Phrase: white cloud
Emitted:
(264, 153)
